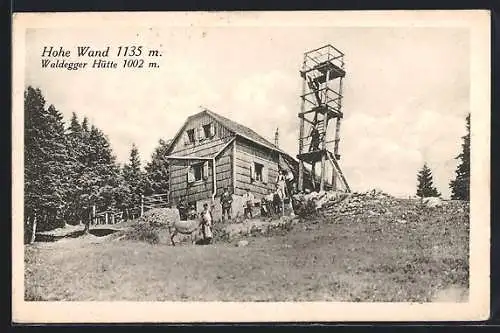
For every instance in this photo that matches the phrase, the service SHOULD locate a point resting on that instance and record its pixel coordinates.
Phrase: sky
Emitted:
(406, 91)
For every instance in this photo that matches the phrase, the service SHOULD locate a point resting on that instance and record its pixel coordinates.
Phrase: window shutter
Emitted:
(252, 172)
(212, 130)
(201, 133)
(190, 175)
(186, 138)
(264, 175)
(196, 134)
(205, 170)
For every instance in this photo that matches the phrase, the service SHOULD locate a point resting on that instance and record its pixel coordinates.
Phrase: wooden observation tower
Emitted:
(320, 118)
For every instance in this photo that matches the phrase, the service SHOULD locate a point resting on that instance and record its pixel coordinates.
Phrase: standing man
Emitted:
(289, 183)
(314, 139)
(281, 185)
(248, 200)
(226, 201)
(182, 209)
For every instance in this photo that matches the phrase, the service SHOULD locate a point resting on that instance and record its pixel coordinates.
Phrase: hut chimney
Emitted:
(276, 138)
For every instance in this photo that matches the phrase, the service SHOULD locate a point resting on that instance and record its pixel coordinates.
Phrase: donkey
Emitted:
(189, 227)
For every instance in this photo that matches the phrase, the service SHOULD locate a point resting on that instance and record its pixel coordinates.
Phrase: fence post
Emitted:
(106, 217)
(142, 204)
(94, 220)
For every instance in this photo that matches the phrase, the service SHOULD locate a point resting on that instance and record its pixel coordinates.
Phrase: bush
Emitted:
(152, 226)
(306, 208)
(220, 233)
(145, 232)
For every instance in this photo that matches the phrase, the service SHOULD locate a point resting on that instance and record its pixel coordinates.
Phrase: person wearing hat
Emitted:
(248, 200)
(226, 201)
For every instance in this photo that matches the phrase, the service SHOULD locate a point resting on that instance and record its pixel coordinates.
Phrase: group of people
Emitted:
(271, 204)
(186, 212)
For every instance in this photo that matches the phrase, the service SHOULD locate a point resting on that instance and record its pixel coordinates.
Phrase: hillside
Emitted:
(367, 247)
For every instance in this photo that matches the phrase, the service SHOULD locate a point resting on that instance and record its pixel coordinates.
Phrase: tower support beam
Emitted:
(322, 74)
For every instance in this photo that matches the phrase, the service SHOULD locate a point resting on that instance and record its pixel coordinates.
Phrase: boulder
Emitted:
(432, 202)
(242, 243)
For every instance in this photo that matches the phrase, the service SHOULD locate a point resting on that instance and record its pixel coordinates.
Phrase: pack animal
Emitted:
(191, 227)
(185, 227)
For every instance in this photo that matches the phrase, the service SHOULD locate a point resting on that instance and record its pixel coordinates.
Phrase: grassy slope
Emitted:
(363, 258)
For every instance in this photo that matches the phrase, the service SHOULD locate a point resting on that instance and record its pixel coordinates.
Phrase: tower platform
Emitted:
(315, 156)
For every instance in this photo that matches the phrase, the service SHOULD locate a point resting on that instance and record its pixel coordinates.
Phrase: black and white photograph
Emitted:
(251, 166)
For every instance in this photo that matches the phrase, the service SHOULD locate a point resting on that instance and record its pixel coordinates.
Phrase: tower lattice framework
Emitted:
(320, 119)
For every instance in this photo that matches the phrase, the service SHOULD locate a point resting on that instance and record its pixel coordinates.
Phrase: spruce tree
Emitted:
(157, 174)
(104, 169)
(57, 166)
(460, 186)
(45, 162)
(134, 180)
(34, 104)
(425, 186)
(94, 171)
(75, 137)
(67, 171)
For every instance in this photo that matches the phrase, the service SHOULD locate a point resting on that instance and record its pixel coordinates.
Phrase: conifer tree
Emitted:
(68, 171)
(45, 161)
(74, 138)
(134, 180)
(157, 175)
(425, 187)
(460, 186)
(94, 171)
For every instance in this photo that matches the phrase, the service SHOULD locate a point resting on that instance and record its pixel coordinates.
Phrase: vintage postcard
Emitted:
(251, 166)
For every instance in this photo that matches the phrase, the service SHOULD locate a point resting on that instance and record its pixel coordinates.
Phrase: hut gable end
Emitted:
(200, 136)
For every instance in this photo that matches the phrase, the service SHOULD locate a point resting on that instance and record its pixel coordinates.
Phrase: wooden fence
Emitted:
(111, 216)
(154, 201)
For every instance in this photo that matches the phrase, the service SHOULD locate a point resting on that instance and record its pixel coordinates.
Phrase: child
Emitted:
(206, 224)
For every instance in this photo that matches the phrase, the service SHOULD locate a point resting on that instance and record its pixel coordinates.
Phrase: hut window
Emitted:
(191, 136)
(198, 172)
(259, 168)
(208, 130)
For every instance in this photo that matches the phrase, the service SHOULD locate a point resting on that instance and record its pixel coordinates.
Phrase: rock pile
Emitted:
(370, 203)
(373, 203)
(342, 203)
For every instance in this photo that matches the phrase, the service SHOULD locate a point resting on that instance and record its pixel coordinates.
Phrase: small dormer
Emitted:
(194, 135)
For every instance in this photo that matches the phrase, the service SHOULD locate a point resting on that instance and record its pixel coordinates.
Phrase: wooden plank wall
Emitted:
(224, 170)
(201, 190)
(178, 182)
(246, 154)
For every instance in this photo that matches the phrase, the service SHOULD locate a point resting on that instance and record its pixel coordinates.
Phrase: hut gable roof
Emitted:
(232, 126)
(243, 131)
